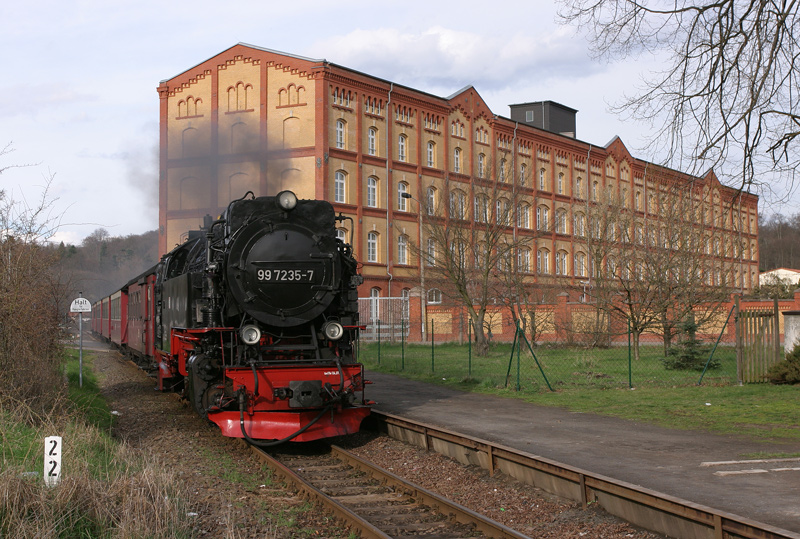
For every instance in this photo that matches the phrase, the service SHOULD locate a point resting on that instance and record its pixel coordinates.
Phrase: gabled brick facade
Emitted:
(255, 119)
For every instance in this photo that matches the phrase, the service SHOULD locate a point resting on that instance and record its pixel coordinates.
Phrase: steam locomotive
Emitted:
(254, 319)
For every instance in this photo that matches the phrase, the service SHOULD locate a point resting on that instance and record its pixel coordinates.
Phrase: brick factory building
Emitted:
(256, 119)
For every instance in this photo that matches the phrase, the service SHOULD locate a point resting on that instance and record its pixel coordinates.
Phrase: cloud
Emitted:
(32, 99)
(442, 57)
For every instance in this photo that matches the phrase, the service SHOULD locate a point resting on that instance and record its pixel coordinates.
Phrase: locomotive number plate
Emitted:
(287, 275)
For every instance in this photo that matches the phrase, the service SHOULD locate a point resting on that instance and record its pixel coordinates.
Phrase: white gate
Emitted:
(386, 318)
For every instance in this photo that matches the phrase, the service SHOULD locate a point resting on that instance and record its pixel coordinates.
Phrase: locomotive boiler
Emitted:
(256, 321)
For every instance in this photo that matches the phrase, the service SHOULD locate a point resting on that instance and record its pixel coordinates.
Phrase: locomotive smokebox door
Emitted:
(306, 394)
(282, 273)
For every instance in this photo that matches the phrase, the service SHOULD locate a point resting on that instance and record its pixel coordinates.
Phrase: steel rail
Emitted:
(339, 511)
(352, 519)
(487, 526)
(643, 507)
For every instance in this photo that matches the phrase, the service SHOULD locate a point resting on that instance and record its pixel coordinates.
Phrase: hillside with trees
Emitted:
(102, 263)
(779, 242)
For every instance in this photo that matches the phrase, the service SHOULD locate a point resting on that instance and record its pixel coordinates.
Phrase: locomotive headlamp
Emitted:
(287, 200)
(333, 331)
(250, 334)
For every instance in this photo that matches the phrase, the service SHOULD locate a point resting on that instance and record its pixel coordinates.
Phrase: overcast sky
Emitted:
(78, 92)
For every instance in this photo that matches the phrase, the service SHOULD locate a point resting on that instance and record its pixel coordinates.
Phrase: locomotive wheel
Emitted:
(212, 397)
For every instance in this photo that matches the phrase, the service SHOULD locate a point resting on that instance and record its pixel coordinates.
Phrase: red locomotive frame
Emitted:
(268, 417)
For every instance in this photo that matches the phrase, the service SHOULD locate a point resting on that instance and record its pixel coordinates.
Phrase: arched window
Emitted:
(523, 173)
(502, 171)
(523, 215)
(374, 304)
(457, 160)
(372, 192)
(502, 211)
(372, 247)
(542, 180)
(580, 264)
(340, 133)
(578, 187)
(402, 250)
(431, 200)
(434, 296)
(431, 258)
(481, 209)
(340, 187)
(543, 261)
(481, 165)
(402, 202)
(611, 266)
(524, 260)
(580, 225)
(372, 141)
(542, 218)
(431, 154)
(561, 263)
(561, 221)
(481, 255)
(560, 184)
(402, 142)
(457, 204)
(458, 254)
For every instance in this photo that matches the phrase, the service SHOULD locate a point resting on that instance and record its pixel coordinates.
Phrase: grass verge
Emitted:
(597, 381)
(107, 489)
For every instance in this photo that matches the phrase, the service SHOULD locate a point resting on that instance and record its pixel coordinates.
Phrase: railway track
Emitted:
(642, 507)
(375, 502)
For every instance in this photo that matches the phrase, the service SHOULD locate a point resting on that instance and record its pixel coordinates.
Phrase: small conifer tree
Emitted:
(689, 353)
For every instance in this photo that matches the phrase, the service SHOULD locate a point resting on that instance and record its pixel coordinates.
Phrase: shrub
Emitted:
(788, 370)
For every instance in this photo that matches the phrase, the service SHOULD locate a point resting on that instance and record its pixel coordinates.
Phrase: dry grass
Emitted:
(107, 488)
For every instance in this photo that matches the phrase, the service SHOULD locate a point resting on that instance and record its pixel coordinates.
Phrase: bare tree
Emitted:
(652, 264)
(727, 97)
(30, 359)
(469, 239)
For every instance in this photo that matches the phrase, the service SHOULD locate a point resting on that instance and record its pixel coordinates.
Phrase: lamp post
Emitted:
(424, 294)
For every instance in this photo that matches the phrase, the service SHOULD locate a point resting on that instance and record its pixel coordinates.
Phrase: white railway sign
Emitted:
(80, 305)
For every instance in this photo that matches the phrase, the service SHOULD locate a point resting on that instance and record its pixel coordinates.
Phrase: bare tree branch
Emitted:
(726, 99)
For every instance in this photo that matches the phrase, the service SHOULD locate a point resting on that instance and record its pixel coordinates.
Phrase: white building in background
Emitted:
(779, 276)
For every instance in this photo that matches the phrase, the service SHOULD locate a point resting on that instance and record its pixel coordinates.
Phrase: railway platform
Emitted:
(700, 467)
